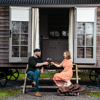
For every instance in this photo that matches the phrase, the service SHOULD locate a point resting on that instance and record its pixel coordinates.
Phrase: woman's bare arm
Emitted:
(57, 65)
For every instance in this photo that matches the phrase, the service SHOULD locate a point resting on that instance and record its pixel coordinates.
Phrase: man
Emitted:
(35, 67)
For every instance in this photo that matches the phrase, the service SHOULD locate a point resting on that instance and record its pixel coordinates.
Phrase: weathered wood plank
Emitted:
(4, 61)
(16, 65)
(4, 27)
(4, 7)
(2, 36)
(52, 78)
(4, 56)
(4, 50)
(6, 38)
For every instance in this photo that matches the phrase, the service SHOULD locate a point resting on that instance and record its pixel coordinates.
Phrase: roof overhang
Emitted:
(50, 3)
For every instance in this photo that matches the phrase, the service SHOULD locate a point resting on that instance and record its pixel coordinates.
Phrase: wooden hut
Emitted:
(53, 26)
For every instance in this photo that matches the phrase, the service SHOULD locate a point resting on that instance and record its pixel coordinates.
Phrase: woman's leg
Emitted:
(57, 79)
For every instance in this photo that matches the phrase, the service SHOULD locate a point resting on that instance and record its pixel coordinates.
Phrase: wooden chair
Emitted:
(24, 86)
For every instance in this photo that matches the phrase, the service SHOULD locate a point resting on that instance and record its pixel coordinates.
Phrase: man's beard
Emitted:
(37, 55)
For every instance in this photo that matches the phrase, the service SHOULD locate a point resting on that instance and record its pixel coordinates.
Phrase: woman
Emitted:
(63, 78)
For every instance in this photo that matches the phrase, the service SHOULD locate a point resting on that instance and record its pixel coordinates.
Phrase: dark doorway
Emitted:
(54, 25)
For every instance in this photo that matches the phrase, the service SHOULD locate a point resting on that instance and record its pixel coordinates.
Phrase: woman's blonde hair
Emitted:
(68, 54)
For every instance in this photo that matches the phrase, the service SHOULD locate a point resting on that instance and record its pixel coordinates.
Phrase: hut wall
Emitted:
(4, 40)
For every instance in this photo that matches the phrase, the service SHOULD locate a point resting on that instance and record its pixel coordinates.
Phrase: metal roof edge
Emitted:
(52, 6)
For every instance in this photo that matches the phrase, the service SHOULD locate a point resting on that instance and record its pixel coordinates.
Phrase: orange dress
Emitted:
(59, 78)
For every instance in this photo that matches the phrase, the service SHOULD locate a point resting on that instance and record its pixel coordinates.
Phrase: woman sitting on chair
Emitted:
(63, 78)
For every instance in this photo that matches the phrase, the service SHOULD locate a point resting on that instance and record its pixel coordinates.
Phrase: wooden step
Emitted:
(53, 70)
(52, 78)
(47, 87)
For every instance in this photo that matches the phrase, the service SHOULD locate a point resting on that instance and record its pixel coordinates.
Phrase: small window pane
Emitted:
(24, 51)
(89, 28)
(80, 40)
(64, 33)
(89, 52)
(80, 52)
(16, 27)
(24, 27)
(15, 51)
(80, 28)
(51, 33)
(24, 39)
(15, 39)
(89, 40)
(56, 33)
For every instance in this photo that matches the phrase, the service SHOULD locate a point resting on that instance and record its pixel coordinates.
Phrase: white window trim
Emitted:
(71, 32)
(85, 60)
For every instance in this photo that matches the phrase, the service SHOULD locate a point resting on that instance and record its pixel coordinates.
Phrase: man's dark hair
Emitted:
(37, 50)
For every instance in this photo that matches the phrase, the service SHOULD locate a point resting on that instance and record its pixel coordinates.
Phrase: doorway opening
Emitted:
(54, 32)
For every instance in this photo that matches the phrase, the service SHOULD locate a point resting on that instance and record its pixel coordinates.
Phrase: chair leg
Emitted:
(24, 86)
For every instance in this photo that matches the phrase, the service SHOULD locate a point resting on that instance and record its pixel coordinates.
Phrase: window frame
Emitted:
(84, 60)
(20, 59)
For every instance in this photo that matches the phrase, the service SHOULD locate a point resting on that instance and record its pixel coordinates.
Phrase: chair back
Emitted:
(26, 68)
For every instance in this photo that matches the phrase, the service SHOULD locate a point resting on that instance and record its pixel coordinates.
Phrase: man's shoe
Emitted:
(37, 94)
(33, 84)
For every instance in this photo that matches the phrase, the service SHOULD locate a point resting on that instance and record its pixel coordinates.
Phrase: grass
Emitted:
(9, 92)
(84, 75)
(21, 75)
(93, 94)
(45, 75)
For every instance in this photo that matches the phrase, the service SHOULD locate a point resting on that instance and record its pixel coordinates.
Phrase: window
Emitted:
(85, 35)
(20, 35)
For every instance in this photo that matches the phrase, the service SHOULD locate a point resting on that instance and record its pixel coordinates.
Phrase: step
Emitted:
(47, 87)
(53, 70)
(52, 78)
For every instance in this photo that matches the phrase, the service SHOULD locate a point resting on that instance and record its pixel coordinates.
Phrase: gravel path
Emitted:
(49, 94)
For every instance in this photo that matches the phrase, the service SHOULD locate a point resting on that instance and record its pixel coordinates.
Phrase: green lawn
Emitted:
(93, 94)
(9, 92)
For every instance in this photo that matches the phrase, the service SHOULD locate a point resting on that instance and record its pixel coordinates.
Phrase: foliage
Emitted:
(9, 92)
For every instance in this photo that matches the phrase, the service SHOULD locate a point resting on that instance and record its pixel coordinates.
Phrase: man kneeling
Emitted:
(35, 67)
